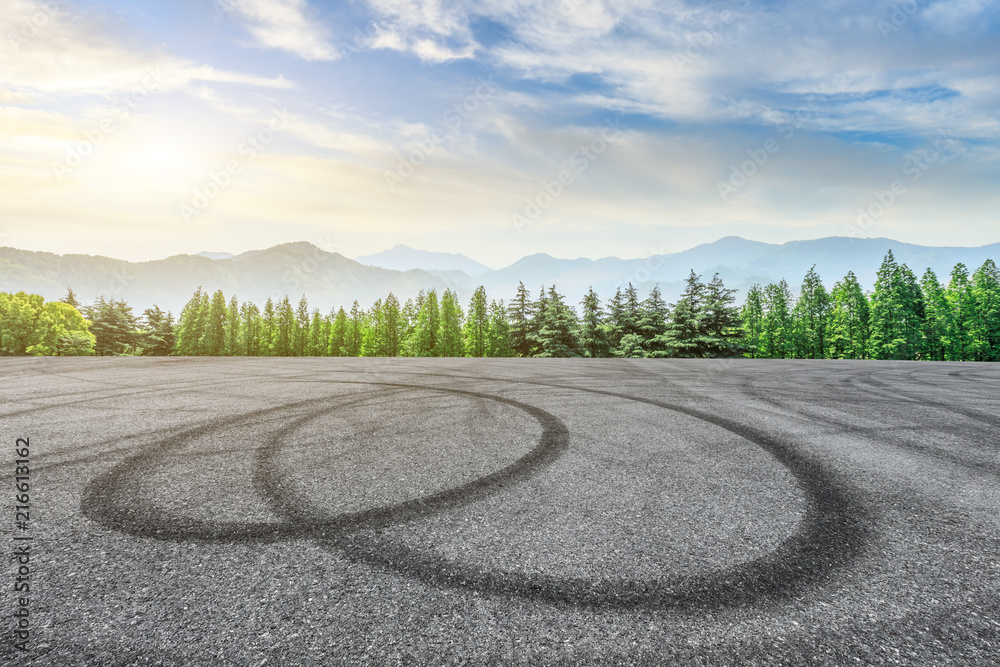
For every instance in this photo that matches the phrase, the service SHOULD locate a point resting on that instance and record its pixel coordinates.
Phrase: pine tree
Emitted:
(251, 331)
(234, 347)
(337, 346)
(499, 332)
(849, 320)
(427, 333)
(158, 338)
(810, 318)
(961, 335)
(70, 298)
(937, 323)
(355, 332)
(722, 320)
(191, 326)
(213, 340)
(594, 333)
(301, 328)
(986, 295)
(537, 322)
(557, 333)
(897, 313)
(652, 323)
(477, 324)
(520, 313)
(777, 332)
(391, 342)
(687, 333)
(269, 330)
(451, 342)
(317, 341)
(752, 317)
(617, 320)
(284, 344)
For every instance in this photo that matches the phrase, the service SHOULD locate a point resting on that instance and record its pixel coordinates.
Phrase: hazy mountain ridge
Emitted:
(331, 280)
(404, 258)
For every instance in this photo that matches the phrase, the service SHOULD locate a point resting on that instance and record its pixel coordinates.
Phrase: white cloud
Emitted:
(68, 55)
(284, 25)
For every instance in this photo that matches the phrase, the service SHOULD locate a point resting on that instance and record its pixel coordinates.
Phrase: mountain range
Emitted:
(331, 280)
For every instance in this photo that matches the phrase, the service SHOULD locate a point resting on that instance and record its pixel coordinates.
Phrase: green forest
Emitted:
(900, 318)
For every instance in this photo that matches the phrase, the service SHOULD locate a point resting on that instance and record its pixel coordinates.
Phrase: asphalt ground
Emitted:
(519, 511)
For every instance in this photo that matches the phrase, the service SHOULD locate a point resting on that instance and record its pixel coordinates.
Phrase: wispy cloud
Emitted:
(284, 25)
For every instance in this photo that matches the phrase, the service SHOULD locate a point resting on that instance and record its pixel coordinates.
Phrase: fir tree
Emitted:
(849, 320)
(752, 317)
(520, 313)
(594, 332)
(810, 318)
(477, 325)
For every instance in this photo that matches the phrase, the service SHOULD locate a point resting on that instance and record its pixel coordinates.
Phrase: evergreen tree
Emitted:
(539, 311)
(986, 295)
(213, 339)
(191, 326)
(158, 335)
(687, 333)
(477, 325)
(269, 329)
(937, 320)
(961, 334)
(520, 313)
(499, 332)
(652, 323)
(355, 332)
(301, 336)
(115, 328)
(427, 332)
(391, 342)
(317, 342)
(752, 317)
(849, 320)
(450, 342)
(251, 332)
(286, 329)
(557, 333)
(722, 320)
(617, 320)
(337, 346)
(594, 332)
(70, 298)
(777, 332)
(897, 313)
(810, 318)
(234, 340)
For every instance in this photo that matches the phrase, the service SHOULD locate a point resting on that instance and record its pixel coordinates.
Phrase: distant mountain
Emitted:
(332, 280)
(328, 279)
(404, 258)
(216, 255)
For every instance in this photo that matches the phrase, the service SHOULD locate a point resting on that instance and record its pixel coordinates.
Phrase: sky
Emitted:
(498, 128)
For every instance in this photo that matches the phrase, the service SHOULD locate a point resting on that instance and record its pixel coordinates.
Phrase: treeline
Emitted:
(31, 326)
(901, 318)
(705, 322)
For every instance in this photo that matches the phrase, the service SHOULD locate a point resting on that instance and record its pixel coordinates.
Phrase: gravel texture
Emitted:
(519, 511)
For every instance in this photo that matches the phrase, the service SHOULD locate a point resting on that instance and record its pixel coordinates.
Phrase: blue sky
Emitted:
(495, 128)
